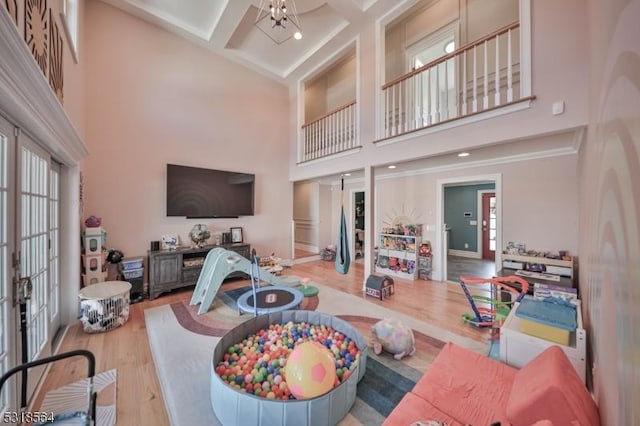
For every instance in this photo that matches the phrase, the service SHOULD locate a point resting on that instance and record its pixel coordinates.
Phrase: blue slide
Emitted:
(218, 264)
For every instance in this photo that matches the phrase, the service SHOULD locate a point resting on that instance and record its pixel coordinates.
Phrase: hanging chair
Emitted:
(342, 251)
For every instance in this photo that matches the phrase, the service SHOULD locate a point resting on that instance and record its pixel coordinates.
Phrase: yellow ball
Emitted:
(310, 370)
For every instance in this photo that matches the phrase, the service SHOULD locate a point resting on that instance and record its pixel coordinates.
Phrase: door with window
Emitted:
(29, 195)
(489, 223)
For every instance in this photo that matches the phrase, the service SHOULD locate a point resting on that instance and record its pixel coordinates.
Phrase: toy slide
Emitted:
(218, 264)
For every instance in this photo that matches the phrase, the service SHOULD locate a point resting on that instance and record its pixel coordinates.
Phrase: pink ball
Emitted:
(310, 370)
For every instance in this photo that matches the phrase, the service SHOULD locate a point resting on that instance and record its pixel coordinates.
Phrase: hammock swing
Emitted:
(342, 251)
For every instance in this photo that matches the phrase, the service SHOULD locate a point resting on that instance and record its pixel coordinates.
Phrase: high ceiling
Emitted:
(229, 28)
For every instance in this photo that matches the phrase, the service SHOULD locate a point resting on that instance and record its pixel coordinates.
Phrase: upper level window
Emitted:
(69, 17)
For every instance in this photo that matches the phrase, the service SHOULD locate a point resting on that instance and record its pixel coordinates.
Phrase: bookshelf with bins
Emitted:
(397, 251)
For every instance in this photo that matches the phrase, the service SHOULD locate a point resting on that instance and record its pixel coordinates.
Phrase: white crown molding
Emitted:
(201, 33)
(569, 150)
(29, 102)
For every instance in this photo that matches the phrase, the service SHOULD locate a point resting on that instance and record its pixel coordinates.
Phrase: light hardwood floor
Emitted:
(139, 398)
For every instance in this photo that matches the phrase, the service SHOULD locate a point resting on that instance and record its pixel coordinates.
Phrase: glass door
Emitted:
(33, 244)
(8, 312)
(54, 248)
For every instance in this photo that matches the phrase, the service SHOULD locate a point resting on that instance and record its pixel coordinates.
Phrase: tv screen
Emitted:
(206, 193)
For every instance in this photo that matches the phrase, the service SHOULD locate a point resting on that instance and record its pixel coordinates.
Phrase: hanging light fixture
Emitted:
(279, 20)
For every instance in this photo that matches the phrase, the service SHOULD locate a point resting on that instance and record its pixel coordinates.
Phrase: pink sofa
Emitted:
(464, 388)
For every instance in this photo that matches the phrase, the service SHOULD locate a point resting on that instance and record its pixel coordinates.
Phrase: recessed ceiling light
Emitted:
(463, 154)
(347, 174)
(297, 35)
(392, 166)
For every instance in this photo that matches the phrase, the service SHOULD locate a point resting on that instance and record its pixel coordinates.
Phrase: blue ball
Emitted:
(239, 379)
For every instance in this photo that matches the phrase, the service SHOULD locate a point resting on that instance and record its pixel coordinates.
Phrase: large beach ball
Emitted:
(310, 370)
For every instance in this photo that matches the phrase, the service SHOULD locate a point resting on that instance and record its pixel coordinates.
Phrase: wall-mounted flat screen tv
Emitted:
(206, 193)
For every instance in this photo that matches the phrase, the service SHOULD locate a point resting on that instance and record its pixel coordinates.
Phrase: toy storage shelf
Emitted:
(517, 349)
(566, 268)
(397, 255)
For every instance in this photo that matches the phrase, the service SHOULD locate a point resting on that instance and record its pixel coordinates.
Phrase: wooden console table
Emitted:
(171, 269)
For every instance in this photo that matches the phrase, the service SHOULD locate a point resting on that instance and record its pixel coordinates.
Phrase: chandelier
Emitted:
(278, 20)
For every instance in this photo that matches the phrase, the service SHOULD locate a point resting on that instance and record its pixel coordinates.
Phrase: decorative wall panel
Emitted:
(36, 31)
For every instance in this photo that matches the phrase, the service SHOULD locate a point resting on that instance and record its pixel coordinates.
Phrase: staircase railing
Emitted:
(482, 75)
(332, 133)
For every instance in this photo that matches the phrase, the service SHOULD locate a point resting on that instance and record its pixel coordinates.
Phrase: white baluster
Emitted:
(496, 101)
(420, 92)
(387, 112)
(401, 120)
(464, 83)
(509, 69)
(437, 103)
(429, 100)
(485, 98)
(474, 103)
(394, 128)
(445, 100)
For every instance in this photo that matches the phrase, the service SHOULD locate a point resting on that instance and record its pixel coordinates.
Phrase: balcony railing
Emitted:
(330, 134)
(480, 76)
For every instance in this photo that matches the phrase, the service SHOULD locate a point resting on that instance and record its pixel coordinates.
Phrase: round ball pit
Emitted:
(233, 407)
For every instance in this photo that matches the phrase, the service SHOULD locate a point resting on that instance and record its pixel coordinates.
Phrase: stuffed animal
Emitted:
(394, 337)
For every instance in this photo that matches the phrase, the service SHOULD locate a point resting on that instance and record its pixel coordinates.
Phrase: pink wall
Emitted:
(539, 201)
(610, 206)
(153, 98)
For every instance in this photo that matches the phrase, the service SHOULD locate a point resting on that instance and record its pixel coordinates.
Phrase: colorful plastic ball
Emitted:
(310, 370)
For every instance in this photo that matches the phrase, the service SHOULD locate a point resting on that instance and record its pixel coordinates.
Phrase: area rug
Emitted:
(182, 345)
(73, 398)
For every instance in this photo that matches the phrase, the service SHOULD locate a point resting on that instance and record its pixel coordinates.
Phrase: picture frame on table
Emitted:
(236, 235)
(170, 242)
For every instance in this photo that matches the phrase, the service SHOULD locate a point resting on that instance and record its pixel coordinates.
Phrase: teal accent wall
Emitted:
(457, 201)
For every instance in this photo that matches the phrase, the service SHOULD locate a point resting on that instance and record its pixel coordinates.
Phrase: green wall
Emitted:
(457, 201)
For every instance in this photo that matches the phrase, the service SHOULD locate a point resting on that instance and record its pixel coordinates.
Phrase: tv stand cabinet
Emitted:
(171, 269)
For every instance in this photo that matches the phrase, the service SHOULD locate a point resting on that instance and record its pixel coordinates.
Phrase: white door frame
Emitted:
(440, 254)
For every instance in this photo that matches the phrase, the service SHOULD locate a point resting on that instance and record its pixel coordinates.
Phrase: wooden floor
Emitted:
(139, 398)
(458, 266)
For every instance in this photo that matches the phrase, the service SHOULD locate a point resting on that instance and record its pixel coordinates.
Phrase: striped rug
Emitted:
(384, 384)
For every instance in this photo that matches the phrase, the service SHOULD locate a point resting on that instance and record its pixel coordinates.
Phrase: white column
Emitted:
(369, 223)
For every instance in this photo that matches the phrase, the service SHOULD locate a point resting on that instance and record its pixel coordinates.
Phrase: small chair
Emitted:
(79, 418)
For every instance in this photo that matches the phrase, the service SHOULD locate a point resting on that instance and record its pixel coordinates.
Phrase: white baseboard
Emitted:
(465, 253)
(306, 259)
(307, 247)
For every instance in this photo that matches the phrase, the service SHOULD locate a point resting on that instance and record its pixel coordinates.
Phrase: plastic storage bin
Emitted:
(549, 321)
(132, 263)
(133, 273)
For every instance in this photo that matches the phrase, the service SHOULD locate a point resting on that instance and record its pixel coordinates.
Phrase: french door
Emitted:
(8, 315)
(29, 197)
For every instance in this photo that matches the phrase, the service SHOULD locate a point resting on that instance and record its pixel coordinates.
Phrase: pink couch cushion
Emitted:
(470, 387)
(549, 388)
(412, 409)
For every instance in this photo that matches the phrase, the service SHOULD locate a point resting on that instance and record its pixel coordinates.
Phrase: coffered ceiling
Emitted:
(229, 28)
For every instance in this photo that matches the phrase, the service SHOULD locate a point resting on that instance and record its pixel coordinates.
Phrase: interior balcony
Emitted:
(441, 65)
